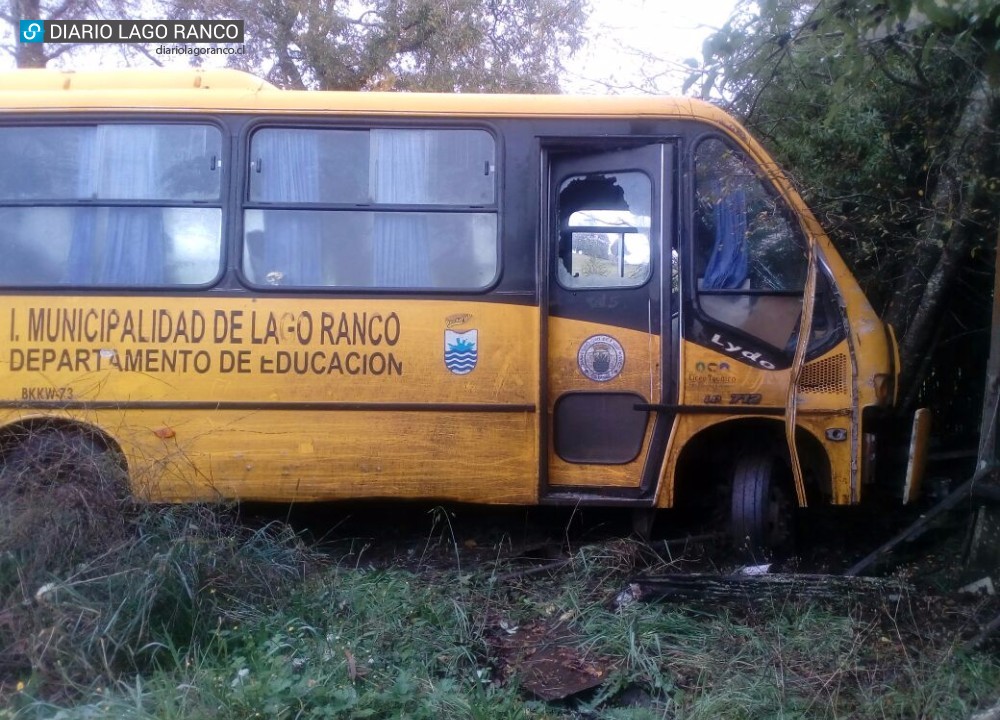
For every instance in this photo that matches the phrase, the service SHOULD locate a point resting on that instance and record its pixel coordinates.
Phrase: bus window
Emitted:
(391, 208)
(115, 205)
(604, 230)
(750, 259)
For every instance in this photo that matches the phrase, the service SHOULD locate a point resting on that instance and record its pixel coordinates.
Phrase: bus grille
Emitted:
(828, 375)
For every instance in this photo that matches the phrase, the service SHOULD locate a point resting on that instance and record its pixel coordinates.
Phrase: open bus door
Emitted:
(607, 329)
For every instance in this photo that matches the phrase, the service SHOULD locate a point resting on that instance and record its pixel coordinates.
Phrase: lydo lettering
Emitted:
(737, 350)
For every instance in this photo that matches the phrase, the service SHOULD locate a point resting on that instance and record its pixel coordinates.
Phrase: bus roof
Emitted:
(234, 91)
(185, 79)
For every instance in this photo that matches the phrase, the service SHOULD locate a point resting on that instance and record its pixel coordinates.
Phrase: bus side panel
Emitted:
(289, 398)
(286, 456)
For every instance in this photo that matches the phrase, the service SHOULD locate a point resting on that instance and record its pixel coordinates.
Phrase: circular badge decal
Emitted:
(601, 358)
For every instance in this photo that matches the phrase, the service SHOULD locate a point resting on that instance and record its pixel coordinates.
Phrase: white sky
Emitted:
(633, 46)
(640, 45)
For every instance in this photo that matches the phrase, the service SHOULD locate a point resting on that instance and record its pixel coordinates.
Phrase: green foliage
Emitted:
(510, 45)
(886, 112)
(348, 641)
(863, 119)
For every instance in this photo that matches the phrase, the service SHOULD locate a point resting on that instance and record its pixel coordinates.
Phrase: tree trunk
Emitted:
(991, 392)
(946, 234)
(27, 55)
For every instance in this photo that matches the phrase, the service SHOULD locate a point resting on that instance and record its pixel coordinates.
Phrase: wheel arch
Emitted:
(699, 472)
(14, 432)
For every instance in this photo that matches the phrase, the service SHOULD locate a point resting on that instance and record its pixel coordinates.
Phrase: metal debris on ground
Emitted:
(982, 586)
(545, 660)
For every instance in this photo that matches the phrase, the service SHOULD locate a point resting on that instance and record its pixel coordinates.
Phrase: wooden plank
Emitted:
(722, 588)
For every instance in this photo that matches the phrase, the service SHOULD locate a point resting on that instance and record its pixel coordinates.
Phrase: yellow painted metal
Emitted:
(263, 349)
(640, 375)
(231, 91)
(896, 363)
(712, 378)
(795, 373)
(308, 455)
(917, 460)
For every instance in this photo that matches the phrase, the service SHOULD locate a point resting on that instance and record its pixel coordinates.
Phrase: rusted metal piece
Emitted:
(544, 659)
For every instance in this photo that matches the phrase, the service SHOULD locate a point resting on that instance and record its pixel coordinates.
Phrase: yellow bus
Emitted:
(237, 291)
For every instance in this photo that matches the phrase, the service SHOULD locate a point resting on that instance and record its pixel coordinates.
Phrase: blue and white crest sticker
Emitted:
(461, 351)
(601, 358)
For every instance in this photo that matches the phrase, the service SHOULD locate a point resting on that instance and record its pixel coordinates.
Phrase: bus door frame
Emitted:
(665, 246)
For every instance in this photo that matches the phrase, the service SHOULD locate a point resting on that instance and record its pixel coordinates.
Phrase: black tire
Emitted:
(761, 509)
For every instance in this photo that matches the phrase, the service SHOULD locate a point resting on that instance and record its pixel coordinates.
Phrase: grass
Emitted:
(184, 612)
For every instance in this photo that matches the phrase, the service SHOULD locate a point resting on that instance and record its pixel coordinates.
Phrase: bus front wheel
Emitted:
(761, 510)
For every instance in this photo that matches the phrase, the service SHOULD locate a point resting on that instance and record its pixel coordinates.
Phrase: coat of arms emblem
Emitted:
(601, 358)
(461, 351)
